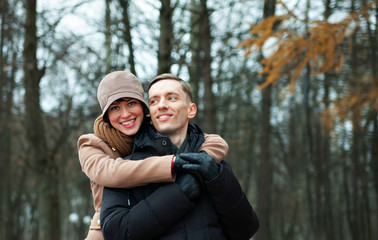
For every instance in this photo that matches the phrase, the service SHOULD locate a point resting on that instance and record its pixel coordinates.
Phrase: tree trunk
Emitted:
(327, 213)
(374, 163)
(309, 137)
(209, 124)
(9, 227)
(265, 172)
(373, 42)
(127, 33)
(265, 175)
(166, 37)
(4, 129)
(356, 215)
(195, 64)
(355, 211)
(373, 36)
(42, 164)
(108, 38)
(324, 204)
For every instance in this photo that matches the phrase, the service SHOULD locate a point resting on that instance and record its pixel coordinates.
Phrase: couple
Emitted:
(168, 187)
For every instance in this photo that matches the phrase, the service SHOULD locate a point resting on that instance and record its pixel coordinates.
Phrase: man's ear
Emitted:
(192, 111)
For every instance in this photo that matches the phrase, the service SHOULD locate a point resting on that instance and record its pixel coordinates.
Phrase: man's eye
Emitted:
(171, 98)
(152, 101)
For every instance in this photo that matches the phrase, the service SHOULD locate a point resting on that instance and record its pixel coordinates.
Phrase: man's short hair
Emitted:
(168, 76)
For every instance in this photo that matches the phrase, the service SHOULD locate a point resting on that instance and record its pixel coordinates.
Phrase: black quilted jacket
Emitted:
(162, 210)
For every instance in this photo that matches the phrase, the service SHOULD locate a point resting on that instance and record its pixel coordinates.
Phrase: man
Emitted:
(205, 202)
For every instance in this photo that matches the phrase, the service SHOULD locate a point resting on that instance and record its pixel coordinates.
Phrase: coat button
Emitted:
(98, 222)
(164, 142)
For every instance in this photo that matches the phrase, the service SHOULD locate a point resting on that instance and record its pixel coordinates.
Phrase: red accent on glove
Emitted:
(173, 162)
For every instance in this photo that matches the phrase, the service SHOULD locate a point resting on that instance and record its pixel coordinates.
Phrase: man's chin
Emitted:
(164, 131)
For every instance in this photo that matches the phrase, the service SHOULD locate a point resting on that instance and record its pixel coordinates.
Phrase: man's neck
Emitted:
(177, 140)
(178, 137)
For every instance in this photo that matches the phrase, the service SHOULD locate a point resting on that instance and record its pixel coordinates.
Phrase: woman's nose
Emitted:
(125, 112)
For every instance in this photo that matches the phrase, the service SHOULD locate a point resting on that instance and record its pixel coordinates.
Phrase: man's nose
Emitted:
(162, 103)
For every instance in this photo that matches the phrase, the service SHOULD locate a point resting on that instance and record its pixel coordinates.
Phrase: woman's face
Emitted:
(126, 115)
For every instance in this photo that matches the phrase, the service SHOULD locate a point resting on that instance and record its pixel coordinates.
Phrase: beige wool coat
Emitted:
(105, 167)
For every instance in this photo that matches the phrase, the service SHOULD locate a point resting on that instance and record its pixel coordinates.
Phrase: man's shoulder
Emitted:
(146, 131)
(194, 128)
(195, 137)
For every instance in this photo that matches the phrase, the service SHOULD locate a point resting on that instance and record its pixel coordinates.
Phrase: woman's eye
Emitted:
(113, 108)
(131, 103)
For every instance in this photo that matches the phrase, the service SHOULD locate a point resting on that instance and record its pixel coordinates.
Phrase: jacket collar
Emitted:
(147, 137)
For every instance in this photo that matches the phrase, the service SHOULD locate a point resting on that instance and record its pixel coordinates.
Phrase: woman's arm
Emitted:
(215, 146)
(106, 168)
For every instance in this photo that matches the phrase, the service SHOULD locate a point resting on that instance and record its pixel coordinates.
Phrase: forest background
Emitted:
(291, 85)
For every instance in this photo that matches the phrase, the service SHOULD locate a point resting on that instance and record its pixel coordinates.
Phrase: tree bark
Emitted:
(374, 163)
(108, 38)
(8, 226)
(327, 212)
(42, 164)
(195, 63)
(373, 36)
(373, 42)
(166, 37)
(209, 124)
(127, 33)
(356, 215)
(265, 173)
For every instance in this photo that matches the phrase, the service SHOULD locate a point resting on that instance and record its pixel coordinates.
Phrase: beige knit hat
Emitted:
(116, 85)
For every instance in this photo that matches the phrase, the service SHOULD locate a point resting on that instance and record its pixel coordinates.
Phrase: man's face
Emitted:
(170, 108)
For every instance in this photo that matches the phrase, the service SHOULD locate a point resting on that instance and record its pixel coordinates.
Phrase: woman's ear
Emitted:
(192, 111)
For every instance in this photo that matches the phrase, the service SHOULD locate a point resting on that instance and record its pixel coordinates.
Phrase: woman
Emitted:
(120, 95)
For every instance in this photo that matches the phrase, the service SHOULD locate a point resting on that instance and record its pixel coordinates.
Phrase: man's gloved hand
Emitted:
(178, 163)
(201, 163)
(189, 185)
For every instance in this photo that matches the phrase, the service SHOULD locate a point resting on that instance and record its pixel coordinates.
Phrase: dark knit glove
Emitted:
(178, 163)
(189, 185)
(202, 164)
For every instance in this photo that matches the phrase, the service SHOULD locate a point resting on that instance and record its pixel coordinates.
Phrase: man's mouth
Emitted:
(163, 117)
